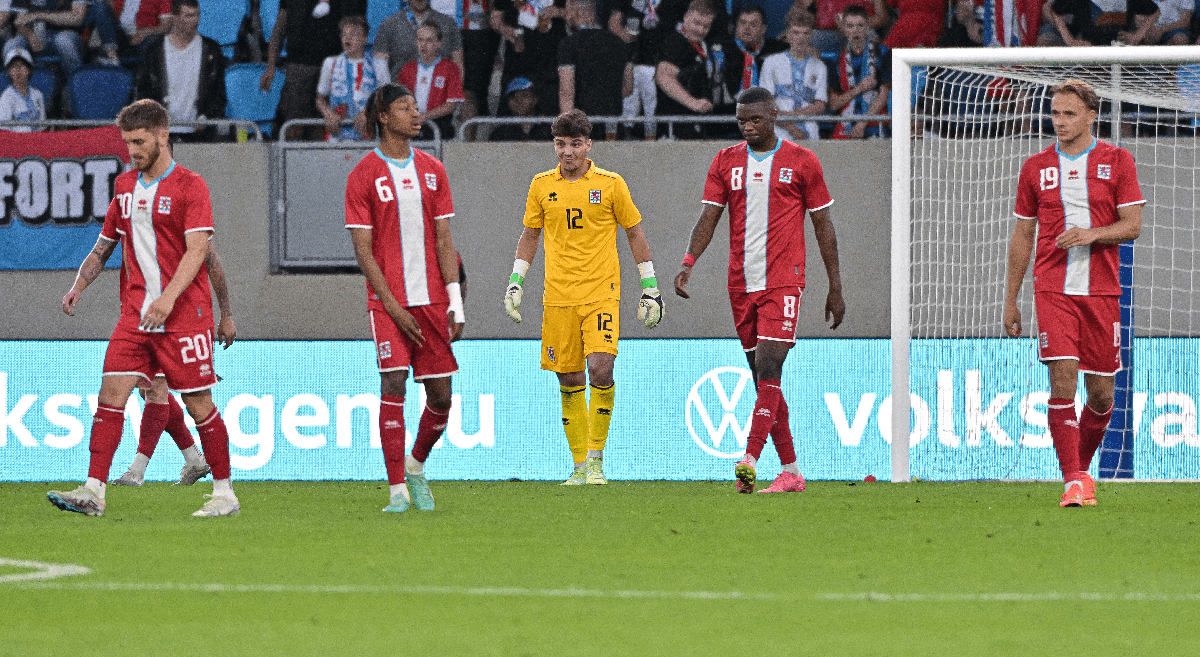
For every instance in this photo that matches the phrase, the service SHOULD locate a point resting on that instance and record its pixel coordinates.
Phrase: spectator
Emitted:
(48, 28)
(480, 43)
(642, 24)
(744, 52)
(6, 29)
(774, 12)
(20, 101)
(797, 77)
(830, 13)
(594, 71)
(1004, 26)
(860, 78)
(141, 19)
(396, 38)
(185, 72)
(521, 100)
(435, 82)
(1075, 23)
(532, 31)
(1173, 25)
(918, 24)
(964, 30)
(688, 79)
(309, 29)
(348, 80)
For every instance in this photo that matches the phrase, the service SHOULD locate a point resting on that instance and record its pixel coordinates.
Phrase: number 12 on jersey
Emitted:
(574, 215)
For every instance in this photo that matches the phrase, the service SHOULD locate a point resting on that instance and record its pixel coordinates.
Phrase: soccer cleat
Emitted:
(190, 474)
(786, 482)
(745, 476)
(1089, 489)
(577, 478)
(128, 479)
(594, 471)
(398, 503)
(218, 505)
(418, 488)
(1073, 496)
(81, 500)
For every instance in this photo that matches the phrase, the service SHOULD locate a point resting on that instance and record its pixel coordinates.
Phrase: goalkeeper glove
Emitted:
(512, 297)
(650, 306)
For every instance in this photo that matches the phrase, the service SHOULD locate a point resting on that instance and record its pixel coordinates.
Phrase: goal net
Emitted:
(964, 122)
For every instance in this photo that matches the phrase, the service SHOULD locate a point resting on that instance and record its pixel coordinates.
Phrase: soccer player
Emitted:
(163, 214)
(162, 412)
(580, 205)
(1080, 198)
(768, 184)
(398, 210)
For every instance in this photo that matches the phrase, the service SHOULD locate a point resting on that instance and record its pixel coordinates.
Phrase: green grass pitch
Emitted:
(632, 568)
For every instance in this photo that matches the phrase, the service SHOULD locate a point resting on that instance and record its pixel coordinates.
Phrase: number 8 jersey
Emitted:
(1085, 191)
(152, 219)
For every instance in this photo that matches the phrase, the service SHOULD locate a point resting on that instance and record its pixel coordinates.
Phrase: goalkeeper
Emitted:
(579, 206)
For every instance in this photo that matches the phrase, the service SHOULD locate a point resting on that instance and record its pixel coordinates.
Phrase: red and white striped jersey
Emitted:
(152, 220)
(399, 202)
(767, 197)
(1063, 192)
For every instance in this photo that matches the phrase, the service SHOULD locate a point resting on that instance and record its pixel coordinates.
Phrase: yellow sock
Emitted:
(575, 421)
(600, 414)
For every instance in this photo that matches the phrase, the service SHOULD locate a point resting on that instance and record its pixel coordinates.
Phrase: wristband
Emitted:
(646, 270)
(518, 272)
(454, 291)
(689, 260)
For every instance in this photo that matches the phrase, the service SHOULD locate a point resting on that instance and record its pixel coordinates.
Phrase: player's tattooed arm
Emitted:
(835, 305)
(92, 265)
(226, 329)
(702, 234)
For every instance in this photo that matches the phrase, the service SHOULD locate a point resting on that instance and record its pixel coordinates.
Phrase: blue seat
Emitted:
(268, 10)
(244, 100)
(99, 92)
(377, 10)
(220, 21)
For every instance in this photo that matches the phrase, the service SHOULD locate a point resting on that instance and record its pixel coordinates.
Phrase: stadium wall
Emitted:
(490, 182)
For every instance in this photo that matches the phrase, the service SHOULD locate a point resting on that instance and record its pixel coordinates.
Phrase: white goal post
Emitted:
(959, 136)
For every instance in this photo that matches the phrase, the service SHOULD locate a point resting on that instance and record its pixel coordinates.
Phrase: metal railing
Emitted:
(670, 120)
(228, 124)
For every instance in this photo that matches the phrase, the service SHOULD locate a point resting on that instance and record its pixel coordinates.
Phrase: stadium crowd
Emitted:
(637, 59)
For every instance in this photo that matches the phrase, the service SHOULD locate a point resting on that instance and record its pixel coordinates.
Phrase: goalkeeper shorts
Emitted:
(570, 333)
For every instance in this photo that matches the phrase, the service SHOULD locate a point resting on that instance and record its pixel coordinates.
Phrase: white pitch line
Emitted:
(1050, 596)
(41, 571)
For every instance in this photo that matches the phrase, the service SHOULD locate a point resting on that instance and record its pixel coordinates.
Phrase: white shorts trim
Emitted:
(1100, 373)
(434, 376)
(185, 391)
(392, 369)
(792, 341)
(126, 374)
(1047, 360)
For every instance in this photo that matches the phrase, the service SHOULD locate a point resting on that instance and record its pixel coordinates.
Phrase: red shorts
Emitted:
(184, 358)
(765, 315)
(1086, 329)
(396, 352)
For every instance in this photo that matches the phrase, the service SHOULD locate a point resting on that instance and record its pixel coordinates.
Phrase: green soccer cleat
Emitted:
(398, 504)
(418, 488)
(577, 478)
(745, 475)
(594, 471)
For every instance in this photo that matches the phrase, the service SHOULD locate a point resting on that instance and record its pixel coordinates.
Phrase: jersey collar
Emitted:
(1076, 157)
(396, 163)
(751, 153)
(587, 174)
(142, 179)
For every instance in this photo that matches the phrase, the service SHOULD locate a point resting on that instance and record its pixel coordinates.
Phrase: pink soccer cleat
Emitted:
(1089, 489)
(786, 482)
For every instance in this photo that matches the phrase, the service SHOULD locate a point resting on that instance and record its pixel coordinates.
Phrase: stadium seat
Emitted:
(244, 100)
(377, 10)
(220, 21)
(268, 10)
(99, 92)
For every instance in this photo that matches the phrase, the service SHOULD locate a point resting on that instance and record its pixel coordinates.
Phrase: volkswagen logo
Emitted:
(713, 408)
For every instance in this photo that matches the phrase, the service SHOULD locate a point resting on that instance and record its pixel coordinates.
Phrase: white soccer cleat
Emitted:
(81, 500)
(190, 474)
(218, 505)
(128, 479)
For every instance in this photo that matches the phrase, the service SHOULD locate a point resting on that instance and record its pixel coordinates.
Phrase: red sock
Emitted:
(1092, 427)
(107, 425)
(177, 427)
(154, 420)
(1064, 430)
(214, 437)
(391, 436)
(769, 397)
(781, 433)
(433, 424)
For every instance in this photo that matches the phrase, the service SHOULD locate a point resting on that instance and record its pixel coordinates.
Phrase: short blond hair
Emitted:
(1081, 90)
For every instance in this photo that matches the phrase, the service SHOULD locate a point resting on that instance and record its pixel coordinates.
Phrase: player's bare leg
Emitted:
(391, 437)
(1093, 424)
(107, 426)
(1064, 426)
(438, 396)
(215, 439)
(602, 395)
(573, 388)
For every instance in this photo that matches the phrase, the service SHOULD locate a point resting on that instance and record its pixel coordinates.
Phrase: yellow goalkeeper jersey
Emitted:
(579, 221)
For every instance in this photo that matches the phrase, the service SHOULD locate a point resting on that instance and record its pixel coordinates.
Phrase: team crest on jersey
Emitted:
(785, 176)
(1043, 340)
(550, 354)
(385, 350)
(407, 183)
(440, 82)
(164, 205)
(431, 181)
(593, 196)
(1104, 171)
